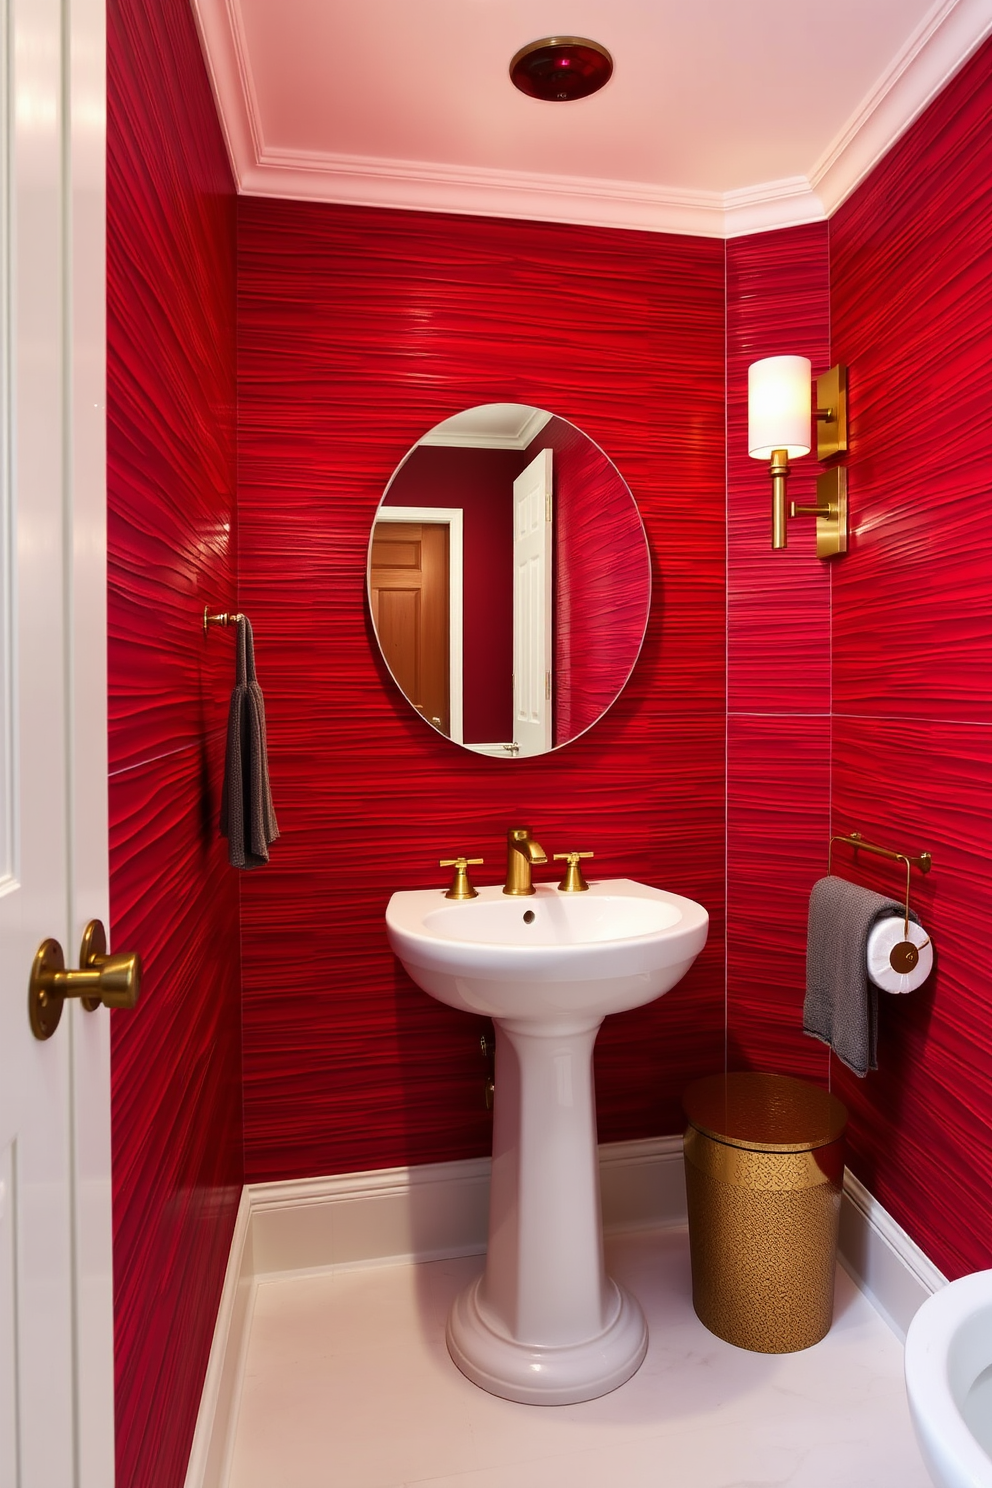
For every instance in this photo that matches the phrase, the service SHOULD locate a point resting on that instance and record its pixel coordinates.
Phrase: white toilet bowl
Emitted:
(949, 1382)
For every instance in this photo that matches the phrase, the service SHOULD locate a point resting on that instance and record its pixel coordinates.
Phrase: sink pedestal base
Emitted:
(544, 1324)
(539, 1375)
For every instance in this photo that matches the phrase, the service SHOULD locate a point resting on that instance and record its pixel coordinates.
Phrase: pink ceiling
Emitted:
(721, 116)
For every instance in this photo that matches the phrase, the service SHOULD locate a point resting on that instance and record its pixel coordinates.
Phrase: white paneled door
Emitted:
(532, 601)
(56, 1337)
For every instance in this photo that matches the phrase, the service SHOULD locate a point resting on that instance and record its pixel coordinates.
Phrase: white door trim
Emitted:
(533, 604)
(451, 517)
(85, 196)
(56, 1255)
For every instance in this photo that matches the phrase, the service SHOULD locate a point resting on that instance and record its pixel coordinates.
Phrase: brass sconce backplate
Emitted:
(831, 519)
(830, 512)
(831, 413)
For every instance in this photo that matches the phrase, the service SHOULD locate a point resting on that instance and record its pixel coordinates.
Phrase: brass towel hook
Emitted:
(223, 619)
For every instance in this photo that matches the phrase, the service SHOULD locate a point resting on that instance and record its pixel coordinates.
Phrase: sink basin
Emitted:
(949, 1382)
(545, 1325)
(616, 946)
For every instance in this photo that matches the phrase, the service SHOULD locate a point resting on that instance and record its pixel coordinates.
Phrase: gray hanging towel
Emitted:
(841, 1006)
(247, 819)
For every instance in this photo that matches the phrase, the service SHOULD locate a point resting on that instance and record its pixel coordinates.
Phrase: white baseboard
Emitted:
(395, 1214)
(442, 1209)
(436, 1210)
(209, 1464)
(889, 1267)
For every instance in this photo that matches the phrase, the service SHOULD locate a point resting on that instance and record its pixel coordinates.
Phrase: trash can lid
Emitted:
(765, 1113)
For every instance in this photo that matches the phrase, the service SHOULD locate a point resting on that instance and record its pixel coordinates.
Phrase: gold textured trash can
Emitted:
(764, 1165)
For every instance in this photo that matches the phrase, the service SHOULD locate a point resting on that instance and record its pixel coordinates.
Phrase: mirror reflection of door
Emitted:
(532, 595)
(597, 595)
(408, 581)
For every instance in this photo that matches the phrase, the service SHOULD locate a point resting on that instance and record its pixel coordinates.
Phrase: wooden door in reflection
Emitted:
(408, 583)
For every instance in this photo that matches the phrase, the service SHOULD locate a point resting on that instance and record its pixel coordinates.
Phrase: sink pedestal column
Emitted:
(545, 1324)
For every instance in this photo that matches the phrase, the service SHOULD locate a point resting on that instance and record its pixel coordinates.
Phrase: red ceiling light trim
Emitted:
(561, 68)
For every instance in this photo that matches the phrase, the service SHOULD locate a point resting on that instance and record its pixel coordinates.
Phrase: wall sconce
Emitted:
(779, 418)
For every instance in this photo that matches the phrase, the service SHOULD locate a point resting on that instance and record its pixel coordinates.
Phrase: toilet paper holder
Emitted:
(906, 954)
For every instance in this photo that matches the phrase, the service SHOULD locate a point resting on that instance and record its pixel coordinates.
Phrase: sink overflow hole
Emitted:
(529, 917)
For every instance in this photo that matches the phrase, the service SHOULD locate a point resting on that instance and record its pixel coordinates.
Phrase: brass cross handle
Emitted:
(461, 884)
(110, 981)
(574, 880)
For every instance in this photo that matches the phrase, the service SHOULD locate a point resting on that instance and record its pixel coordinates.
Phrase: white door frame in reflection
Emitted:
(533, 660)
(452, 518)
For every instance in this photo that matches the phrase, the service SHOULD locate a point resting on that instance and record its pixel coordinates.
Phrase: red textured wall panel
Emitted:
(778, 603)
(177, 1141)
(359, 330)
(912, 302)
(912, 316)
(778, 663)
(778, 827)
(177, 1151)
(921, 1126)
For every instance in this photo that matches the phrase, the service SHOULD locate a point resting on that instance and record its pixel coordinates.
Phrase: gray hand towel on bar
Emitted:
(247, 819)
(841, 1006)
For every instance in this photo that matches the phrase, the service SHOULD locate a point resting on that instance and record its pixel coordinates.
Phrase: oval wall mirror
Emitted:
(509, 580)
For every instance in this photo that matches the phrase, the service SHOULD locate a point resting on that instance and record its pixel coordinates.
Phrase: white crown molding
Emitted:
(457, 438)
(476, 192)
(944, 40)
(538, 420)
(772, 205)
(226, 56)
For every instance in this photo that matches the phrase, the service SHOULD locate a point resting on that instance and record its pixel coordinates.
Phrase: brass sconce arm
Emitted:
(831, 413)
(830, 512)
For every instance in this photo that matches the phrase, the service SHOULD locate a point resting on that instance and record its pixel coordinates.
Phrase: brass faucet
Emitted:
(521, 852)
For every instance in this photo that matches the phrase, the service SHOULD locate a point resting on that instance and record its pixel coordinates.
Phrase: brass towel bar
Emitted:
(224, 619)
(922, 861)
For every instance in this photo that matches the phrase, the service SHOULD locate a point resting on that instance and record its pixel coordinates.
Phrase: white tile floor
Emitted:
(348, 1385)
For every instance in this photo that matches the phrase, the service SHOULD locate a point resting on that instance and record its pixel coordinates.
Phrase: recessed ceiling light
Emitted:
(561, 68)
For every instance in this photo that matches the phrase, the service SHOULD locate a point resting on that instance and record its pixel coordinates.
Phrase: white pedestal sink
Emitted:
(545, 1324)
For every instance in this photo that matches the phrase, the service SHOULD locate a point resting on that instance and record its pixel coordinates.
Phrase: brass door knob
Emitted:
(102, 980)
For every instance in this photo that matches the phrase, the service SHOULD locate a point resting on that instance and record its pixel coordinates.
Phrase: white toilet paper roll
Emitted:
(885, 935)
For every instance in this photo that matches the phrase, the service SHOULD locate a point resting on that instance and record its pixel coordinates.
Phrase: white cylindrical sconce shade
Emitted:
(779, 406)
